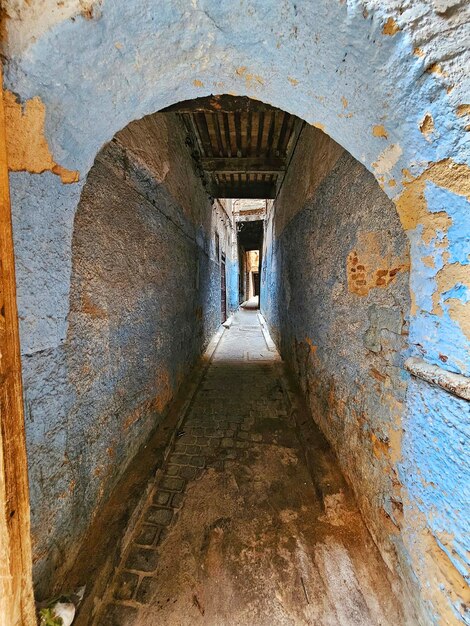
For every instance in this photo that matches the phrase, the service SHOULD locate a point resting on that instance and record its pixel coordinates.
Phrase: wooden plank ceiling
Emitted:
(242, 147)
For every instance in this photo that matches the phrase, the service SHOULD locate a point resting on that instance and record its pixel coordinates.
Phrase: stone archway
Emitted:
(391, 108)
(394, 106)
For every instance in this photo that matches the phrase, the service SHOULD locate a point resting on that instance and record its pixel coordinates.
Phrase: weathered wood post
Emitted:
(16, 592)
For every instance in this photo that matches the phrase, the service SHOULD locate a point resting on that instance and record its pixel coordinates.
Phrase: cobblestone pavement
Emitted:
(235, 531)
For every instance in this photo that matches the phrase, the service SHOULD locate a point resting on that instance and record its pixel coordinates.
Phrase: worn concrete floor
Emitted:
(236, 532)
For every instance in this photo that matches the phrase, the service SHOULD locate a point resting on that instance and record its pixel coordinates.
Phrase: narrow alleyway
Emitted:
(236, 531)
(162, 164)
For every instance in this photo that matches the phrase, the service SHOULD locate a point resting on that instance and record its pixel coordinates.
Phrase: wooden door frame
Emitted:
(16, 587)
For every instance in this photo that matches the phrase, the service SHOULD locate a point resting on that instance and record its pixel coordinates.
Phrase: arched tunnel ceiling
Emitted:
(242, 146)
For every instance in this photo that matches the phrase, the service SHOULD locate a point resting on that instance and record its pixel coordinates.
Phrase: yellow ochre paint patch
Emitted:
(436, 568)
(429, 261)
(27, 147)
(293, 81)
(313, 348)
(198, 83)
(380, 448)
(390, 27)
(446, 278)
(379, 131)
(413, 211)
(426, 126)
(411, 204)
(435, 68)
(250, 79)
(463, 109)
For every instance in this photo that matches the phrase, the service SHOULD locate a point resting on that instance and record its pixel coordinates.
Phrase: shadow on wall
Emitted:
(336, 276)
(143, 304)
(337, 269)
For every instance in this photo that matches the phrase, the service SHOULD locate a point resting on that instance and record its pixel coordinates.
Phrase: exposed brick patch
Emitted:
(119, 615)
(126, 585)
(142, 559)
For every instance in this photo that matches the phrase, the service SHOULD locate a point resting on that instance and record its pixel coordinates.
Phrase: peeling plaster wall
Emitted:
(435, 473)
(340, 315)
(398, 102)
(144, 297)
(388, 81)
(336, 279)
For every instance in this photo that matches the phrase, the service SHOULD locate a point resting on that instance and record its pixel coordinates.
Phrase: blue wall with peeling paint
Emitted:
(232, 284)
(329, 63)
(437, 427)
(400, 441)
(144, 302)
(438, 337)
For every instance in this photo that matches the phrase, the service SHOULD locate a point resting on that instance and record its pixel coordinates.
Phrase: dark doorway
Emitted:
(256, 283)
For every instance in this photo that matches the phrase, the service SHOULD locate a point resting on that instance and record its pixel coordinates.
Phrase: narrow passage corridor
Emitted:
(236, 531)
(162, 163)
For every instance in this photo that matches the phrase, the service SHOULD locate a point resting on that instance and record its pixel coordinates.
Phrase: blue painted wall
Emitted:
(368, 73)
(401, 442)
(144, 302)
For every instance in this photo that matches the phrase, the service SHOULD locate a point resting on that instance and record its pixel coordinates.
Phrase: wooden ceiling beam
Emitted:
(238, 133)
(248, 133)
(204, 133)
(235, 165)
(249, 191)
(259, 140)
(242, 147)
(218, 135)
(193, 131)
(220, 103)
(228, 142)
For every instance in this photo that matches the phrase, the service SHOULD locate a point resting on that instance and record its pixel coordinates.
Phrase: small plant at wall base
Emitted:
(49, 618)
(60, 611)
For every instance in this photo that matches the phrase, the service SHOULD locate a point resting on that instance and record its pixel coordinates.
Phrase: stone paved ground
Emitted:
(236, 532)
